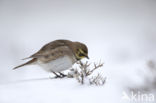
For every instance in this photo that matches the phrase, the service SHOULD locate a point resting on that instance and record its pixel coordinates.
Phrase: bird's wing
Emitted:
(55, 53)
(52, 50)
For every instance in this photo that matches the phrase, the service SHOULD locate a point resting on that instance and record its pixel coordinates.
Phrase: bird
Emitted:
(57, 56)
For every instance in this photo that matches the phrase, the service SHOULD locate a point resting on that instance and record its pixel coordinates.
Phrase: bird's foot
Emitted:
(62, 75)
(58, 76)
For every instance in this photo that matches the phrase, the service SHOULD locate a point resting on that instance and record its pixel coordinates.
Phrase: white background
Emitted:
(120, 33)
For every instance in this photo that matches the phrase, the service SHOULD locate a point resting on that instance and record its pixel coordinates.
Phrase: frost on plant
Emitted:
(84, 73)
(97, 80)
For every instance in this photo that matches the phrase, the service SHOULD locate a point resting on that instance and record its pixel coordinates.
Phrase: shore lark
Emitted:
(57, 56)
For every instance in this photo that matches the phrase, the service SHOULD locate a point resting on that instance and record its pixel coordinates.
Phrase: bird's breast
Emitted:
(57, 65)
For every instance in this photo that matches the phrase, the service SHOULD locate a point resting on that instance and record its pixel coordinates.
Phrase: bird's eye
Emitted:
(81, 55)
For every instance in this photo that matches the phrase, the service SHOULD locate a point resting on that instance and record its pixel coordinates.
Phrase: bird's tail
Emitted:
(27, 63)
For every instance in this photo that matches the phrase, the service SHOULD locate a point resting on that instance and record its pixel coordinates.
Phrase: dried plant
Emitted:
(149, 79)
(84, 71)
(97, 80)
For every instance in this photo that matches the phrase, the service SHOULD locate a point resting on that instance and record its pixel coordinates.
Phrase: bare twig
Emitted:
(97, 80)
(95, 67)
(85, 72)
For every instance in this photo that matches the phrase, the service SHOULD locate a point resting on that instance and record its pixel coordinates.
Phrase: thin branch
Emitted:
(86, 70)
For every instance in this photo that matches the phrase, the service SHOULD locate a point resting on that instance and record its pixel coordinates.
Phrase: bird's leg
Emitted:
(62, 75)
(57, 76)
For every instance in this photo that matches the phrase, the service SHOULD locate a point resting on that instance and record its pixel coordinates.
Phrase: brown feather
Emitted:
(55, 50)
(27, 63)
(50, 47)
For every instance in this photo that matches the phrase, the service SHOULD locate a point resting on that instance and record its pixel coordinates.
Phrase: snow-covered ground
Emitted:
(120, 33)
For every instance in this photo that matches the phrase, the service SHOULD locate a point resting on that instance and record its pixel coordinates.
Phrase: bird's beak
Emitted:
(87, 57)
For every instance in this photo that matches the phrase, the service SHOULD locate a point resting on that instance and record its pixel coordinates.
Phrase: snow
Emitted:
(60, 90)
(40, 89)
(120, 33)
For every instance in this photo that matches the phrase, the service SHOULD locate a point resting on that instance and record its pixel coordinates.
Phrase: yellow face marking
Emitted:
(80, 51)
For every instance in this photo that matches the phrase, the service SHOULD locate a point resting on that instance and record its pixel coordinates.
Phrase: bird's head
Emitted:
(80, 51)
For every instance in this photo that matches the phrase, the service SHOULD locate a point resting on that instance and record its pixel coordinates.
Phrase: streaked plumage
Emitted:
(58, 55)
